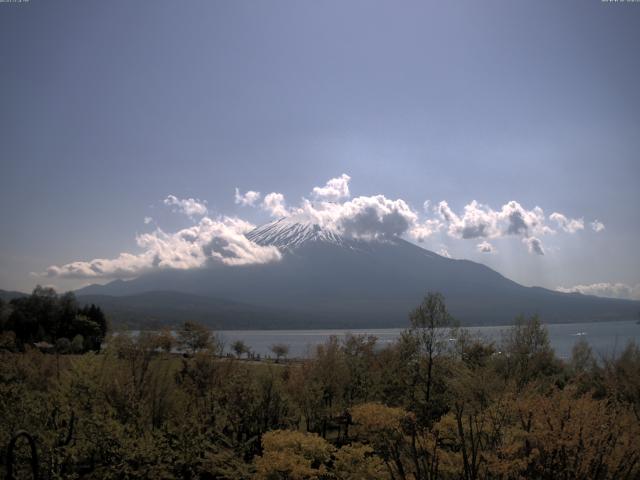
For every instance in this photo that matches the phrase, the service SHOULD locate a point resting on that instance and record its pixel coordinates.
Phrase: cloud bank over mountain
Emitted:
(331, 206)
(210, 241)
(611, 290)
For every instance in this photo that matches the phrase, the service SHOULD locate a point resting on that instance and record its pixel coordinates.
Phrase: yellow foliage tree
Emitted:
(293, 455)
(358, 462)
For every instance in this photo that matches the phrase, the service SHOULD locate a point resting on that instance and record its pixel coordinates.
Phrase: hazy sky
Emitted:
(106, 108)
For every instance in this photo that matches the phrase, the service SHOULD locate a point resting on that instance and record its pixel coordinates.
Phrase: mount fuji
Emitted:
(328, 280)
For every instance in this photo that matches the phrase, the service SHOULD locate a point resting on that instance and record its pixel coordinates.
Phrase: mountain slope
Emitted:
(8, 295)
(335, 281)
(157, 308)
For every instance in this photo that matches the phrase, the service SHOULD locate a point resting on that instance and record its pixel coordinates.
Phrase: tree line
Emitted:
(56, 322)
(438, 403)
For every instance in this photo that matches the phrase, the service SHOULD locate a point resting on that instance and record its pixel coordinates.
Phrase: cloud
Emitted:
(362, 217)
(378, 216)
(476, 222)
(569, 225)
(485, 247)
(274, 204)
(247, 199)
(220, 241)
(480, 221)
(334, 190)
(597, 226)
(534, 245)
(189, 206)
(444, 252)
(612, 290)
(375, 216)
(422, 230)
(125, 265)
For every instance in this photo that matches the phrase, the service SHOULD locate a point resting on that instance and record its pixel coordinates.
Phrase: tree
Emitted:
(559, 435)
(430, 331)
(8, 341)
(358, 462)
(239, 348)
(89, 329)
(622, 377)
(359, 354)
(77, 344)
(97, 317)
(280, 350)
(63, 345)
(407, 452)
(582, 359)
(293, 455)
(4, 314)
(194, 337)
(165, 340)
(528, 352)
(46, 316)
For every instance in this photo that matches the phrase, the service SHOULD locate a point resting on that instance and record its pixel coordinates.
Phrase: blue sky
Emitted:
(106, 108)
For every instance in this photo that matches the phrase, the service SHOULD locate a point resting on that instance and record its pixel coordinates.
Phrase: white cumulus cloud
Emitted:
(222, 240)
(479, 221)
(210, 241)
(485, 247)
(569, 225)
(189, 206)
(274, 203)
(423, 230)
(534, 245)
(247, 199)
(363, 217)
(334, 190)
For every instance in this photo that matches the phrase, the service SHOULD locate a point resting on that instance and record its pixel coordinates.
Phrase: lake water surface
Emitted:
(605, 338)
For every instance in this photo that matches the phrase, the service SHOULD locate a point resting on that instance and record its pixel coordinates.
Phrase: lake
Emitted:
(605, 338)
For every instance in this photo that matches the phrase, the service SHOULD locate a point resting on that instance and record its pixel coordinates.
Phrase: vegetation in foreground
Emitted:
(437, 403)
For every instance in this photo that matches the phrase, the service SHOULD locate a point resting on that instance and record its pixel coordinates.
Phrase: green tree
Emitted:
(63, 345)
(430, 330)
(528, 352)
(239, 348)
(77, 344)
(280, 350)
(193, 337)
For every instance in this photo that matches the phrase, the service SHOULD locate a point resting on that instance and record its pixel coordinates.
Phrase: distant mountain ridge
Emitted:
(326, 279)
(8, 295)
(150, 310)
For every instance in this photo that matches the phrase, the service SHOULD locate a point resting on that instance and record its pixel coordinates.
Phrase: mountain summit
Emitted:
(328, 280)
(289, 234)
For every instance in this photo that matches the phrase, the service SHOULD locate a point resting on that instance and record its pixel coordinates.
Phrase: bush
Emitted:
(77, 344)
(63, 345)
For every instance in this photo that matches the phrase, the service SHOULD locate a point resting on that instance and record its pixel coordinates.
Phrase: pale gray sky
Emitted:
(106, 108)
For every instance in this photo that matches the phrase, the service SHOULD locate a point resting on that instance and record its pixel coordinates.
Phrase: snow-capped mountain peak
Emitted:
(287, 233)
